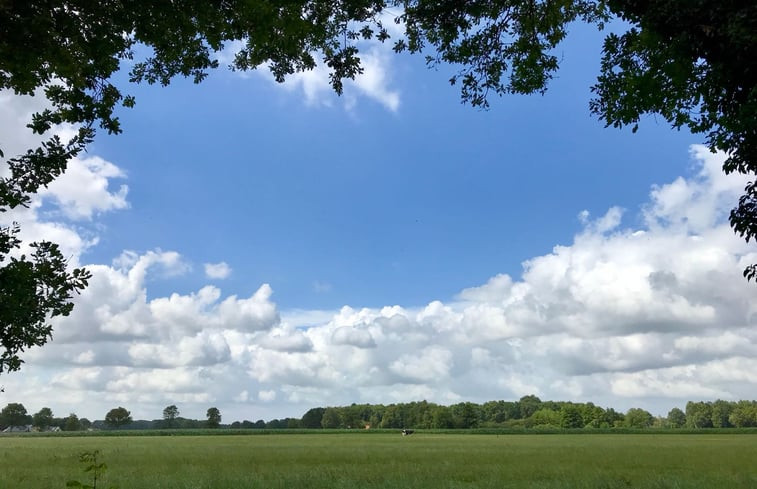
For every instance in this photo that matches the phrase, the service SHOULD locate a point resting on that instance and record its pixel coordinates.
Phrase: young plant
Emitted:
(94, 468)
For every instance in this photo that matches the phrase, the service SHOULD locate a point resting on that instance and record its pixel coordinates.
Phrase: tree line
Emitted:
(529, 412)
(15, 415)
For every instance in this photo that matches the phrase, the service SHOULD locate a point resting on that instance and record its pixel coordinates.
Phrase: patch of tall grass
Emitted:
(388, 460)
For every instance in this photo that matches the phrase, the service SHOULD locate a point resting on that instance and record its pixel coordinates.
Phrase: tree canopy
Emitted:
(507, 415)
(118, 417)
(214, 417)
(14, 414)
(690, 61)
(693, 63)
(43, 418)
(72, 423)
(170, 413)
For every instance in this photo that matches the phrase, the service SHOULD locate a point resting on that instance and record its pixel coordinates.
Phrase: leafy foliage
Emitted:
(31, 291)
(638, 418)
(74, 48)
(331, 418)
(492, 415)
(43, 418)
(313, 418)
(214, 417)
(676, 418)
(118, 417)
(693, 63)
(530, 412)
(170, 413)
(570, 417)
(14, 414)
(501, 46)
(95, 467)
(72, 423)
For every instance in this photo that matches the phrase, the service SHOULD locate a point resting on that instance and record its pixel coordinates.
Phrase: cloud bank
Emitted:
(649, 314)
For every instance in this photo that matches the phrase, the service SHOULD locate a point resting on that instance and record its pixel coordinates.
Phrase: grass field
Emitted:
(387, 461)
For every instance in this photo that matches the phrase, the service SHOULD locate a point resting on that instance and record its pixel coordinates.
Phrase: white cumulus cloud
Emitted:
(79, 194)
(218, 271)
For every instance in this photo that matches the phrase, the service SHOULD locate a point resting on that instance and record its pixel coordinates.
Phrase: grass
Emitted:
(388, 461)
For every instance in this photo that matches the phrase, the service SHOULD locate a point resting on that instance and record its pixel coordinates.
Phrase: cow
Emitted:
(407, 432)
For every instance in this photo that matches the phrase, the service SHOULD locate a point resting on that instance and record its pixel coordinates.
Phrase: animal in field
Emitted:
(407, 432)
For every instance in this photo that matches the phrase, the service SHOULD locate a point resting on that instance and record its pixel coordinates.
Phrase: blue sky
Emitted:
(334, 205)
(268, 248)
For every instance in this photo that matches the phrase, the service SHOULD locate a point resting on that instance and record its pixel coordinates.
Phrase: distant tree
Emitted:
(570, 417)
(293, 423)
(721, 410)
(189, 424)
(392, 417)
(14, 414)
(676, 418)
(638, 418)
(276, 424)
(744, 414)
(660, 422)
(512, 410)
(351, 416)
(420, 414)
(85, 424)
(72, 423)
(214, 417)
(494, 412)
(544, 418)
(312, 418)
(442, 418)
(698, 414)
(170, 414)
(43, 418)
(118, 417)
(528, 405)
(465, 415)
(331, 418)
(594, 416)
(612, 418)
(375, 418)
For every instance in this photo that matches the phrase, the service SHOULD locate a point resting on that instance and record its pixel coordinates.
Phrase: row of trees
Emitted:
(527, 412)
(15, 414)
(721, 414)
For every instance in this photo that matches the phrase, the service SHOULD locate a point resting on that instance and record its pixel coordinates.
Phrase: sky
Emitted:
(267, 248)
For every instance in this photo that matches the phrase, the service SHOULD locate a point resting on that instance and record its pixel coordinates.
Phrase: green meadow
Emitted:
(386, 460)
